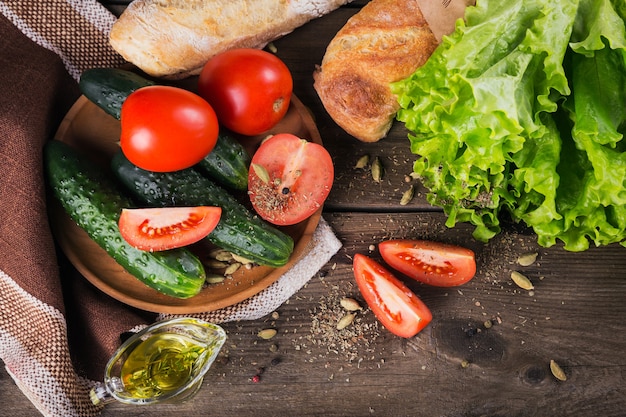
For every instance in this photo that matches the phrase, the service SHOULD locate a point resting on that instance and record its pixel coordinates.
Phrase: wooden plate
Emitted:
(95, 133)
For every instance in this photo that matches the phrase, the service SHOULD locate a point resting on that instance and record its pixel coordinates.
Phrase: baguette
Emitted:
(386, 41)
(175, 38)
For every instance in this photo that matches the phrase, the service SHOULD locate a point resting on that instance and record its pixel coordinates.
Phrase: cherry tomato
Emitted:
(157, 229)
(167, 128)
(249, 89)
(433, 263)
(289, 179)
(392, 302)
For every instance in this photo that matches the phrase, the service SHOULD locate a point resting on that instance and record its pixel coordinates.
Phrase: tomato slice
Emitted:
(393, 303)
(289, 179)
(432, 263)
(157, 229)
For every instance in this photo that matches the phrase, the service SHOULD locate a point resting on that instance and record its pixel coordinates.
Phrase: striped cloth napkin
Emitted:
(57, 331)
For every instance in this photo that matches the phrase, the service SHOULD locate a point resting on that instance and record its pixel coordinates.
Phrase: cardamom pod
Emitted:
(345, 321)
(407, 196)
(557, 371)
(261, 172)
(521, 280)
(350, 304)
(362, 162)
(267, 334)
(527, 259)
(377, 170)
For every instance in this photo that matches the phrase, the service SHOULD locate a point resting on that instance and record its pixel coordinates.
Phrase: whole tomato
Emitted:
(167, 128)
(249, 89)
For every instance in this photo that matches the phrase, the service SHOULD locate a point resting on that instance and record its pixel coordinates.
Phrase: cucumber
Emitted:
(108, 88)
(227, 163)
(238, 231)
(94, 203)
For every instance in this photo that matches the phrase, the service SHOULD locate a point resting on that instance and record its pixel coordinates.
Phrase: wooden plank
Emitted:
(458, 365)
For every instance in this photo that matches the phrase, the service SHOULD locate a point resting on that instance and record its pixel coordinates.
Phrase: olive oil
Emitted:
(162, 363)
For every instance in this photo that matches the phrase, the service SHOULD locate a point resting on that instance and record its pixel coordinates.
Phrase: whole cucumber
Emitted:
(108, 88)
(92, 200)
(238, 231)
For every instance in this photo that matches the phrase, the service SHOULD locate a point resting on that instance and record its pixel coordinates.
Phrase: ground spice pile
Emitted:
(343, 331)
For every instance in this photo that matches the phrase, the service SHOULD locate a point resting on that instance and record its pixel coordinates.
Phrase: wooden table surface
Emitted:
(487, 350)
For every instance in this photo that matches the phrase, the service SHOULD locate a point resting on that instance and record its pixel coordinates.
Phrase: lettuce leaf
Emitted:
(521, 110)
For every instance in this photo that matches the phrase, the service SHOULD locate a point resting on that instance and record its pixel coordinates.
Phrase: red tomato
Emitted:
(157, 229)
(395, 305)
(249, 89)
(289, 179)
(433, 263)
(167, 128)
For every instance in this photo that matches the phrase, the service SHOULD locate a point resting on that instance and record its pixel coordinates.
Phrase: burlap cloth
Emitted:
(56, 330)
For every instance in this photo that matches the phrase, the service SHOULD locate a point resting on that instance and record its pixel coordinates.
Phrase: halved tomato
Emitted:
(432, 263)
(393, 303)
(289, 179)
(157, 229)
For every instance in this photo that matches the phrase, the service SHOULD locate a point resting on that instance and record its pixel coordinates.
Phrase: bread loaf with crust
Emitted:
(386, 41)
(175, 38)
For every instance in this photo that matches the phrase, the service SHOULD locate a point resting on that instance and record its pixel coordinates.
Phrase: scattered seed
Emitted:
(350, 304)
(273, 348)
(232, 268)
(261, 172)
(221, 255)
(267, 334)
(521, 281)
(527, 259)
(275, 315)
(377, 170)
(557, 371)
(407, 196)
(345, 321)
(272, 47)
(215, 264)
(215, 278)
(488, 324)
(362, 162)
(240, 259)
(465, 364)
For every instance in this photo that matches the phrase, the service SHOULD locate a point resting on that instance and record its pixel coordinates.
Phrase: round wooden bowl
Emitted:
(96, 134)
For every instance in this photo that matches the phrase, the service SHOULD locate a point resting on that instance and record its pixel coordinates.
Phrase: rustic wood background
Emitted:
(488, 348)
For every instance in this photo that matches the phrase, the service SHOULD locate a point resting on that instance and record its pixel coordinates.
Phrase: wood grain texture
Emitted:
(488, 348)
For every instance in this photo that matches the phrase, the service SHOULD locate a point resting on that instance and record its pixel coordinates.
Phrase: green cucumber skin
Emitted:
(238, 231)
(108, 88)
(227, 164)
(93, 201)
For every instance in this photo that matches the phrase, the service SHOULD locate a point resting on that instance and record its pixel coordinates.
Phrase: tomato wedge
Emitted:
(289, 179)
(433, 263)
(393, 303)
(157, 229)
